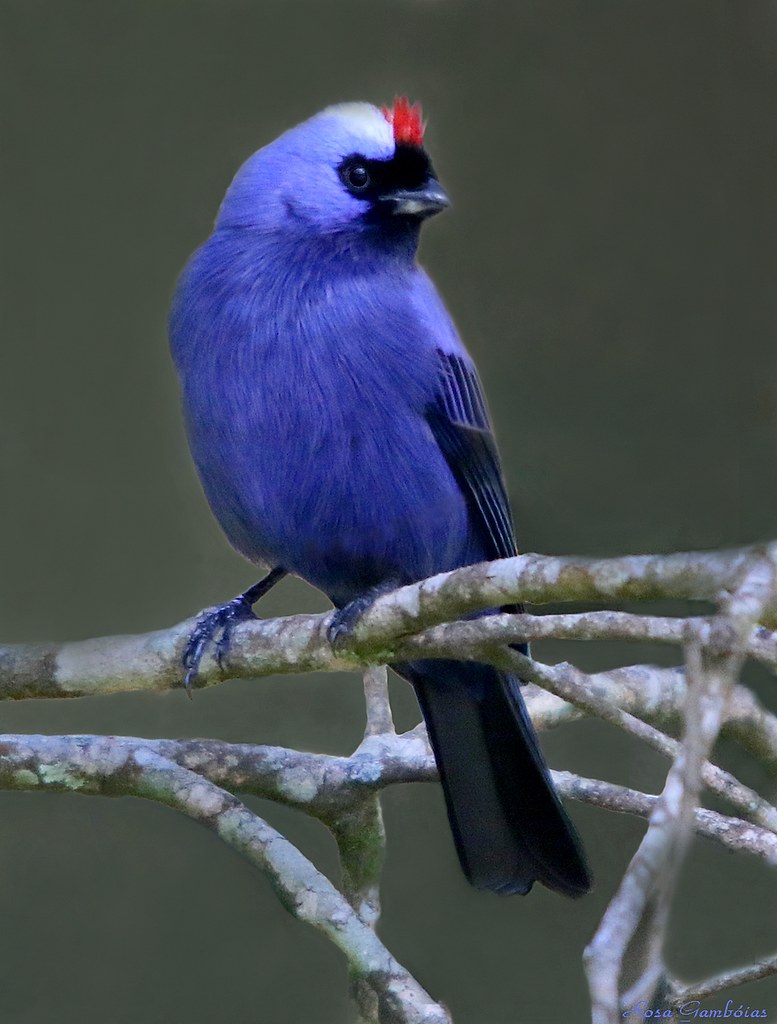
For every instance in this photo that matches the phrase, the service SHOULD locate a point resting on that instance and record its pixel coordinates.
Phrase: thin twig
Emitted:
(733, 833)
(569, 683)
(720, 982)
(637, 916)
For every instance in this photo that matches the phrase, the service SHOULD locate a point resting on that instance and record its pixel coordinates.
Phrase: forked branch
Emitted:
(201, 778)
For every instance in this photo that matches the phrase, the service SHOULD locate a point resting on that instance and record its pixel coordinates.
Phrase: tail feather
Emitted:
(508, 823)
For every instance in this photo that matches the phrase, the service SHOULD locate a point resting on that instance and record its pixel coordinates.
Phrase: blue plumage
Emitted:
(340, 433)
(305, 403)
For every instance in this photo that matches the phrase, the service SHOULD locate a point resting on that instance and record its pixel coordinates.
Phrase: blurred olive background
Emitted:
(610, 259)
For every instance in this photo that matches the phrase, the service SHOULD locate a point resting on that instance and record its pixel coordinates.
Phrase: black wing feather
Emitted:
(491, 766)
(461, 427)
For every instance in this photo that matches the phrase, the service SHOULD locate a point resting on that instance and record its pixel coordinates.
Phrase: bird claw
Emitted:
(344, 620)
(216, 627)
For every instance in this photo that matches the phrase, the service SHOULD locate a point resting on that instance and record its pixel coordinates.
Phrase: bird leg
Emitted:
(216, 625)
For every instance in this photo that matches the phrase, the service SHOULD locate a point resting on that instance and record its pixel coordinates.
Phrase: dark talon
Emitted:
(217, 625)
(345, 619)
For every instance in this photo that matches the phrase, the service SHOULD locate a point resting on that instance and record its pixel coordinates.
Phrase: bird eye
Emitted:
(357, 177)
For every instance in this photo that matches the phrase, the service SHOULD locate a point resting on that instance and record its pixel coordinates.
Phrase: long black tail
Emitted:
(507, 820)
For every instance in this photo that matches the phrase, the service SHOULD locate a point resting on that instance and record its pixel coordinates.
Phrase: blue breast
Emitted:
(305, 384)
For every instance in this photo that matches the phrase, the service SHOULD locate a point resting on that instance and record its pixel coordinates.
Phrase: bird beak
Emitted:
(421, 202)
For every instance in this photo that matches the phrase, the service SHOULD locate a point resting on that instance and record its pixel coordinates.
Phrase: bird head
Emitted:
(350, 168)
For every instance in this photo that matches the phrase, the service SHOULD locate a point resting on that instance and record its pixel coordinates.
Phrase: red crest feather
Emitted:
(406, 120)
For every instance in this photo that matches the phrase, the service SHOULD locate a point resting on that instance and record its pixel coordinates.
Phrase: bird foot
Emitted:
(215, 626)
(345, 619)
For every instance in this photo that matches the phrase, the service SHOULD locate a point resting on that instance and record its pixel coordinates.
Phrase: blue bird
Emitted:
(340, 433)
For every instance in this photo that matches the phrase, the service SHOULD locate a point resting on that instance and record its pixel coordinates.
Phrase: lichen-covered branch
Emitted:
(637, 916)
(591, 693)
(733, 833)
(201, 777)
(361, 839)
(395, 625)
(335, 789)
(323, 785)
(538, 579)
(116, 767)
